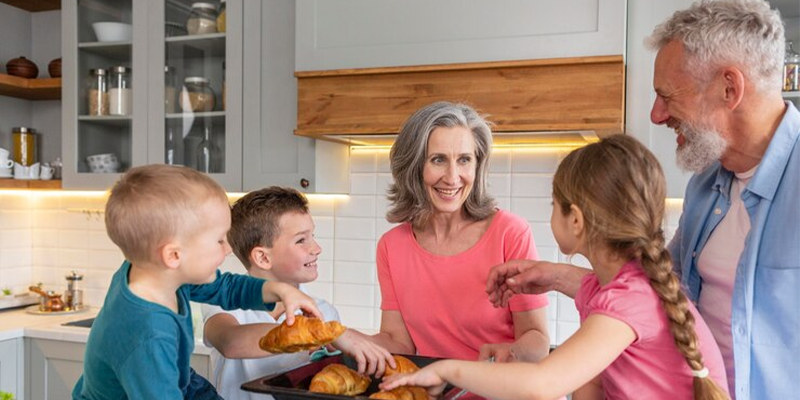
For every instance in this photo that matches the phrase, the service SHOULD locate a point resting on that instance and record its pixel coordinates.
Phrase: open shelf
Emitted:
(11, 183)
(30, 89)
(115, 50)
(791, 95)
(196, 46)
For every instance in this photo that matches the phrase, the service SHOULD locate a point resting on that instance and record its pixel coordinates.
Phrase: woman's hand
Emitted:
(371, 358)
(499, 352)
(429, 377)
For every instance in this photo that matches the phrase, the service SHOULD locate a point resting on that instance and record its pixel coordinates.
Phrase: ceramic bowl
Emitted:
(22, 67)
(112, 31)
(103, 163)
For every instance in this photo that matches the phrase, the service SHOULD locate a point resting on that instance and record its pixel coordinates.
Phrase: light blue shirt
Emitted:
(765, 312)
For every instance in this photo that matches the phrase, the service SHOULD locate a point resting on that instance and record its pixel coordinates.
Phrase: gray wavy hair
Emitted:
(408, 197)
(745, 33)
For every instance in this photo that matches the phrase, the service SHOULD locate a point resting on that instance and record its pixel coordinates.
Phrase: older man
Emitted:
(718, 76)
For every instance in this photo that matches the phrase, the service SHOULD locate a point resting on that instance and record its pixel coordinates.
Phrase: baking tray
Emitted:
(293, 384)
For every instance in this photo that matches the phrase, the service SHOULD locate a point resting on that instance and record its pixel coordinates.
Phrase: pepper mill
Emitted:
(73, 295)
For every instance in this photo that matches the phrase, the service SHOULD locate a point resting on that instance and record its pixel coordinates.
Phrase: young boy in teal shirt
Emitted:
(171, 224)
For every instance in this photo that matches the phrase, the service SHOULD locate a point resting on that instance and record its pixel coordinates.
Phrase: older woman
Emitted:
(433, 266)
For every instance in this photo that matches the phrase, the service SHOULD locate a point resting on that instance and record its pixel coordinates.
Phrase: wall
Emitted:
(43, 235)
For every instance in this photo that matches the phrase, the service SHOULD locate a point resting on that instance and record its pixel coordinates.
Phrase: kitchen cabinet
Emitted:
(363, 33)
(11, 366)
(55, 366)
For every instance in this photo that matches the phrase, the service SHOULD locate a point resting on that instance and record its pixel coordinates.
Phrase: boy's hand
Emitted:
(429, 377)
(292, 299)
(371, 358)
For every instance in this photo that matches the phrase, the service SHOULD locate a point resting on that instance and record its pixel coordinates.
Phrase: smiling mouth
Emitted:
(312, 264)
(448, 192)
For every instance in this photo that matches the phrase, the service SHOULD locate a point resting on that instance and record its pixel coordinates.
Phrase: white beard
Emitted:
(703, 146)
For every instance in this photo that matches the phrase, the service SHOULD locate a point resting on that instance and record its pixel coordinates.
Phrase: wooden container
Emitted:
(22, 67)
(54, 68)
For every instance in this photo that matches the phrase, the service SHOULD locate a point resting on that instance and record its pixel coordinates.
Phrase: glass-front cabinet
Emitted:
(155, 81)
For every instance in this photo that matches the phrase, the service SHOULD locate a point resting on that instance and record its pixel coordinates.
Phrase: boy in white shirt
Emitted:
(272, 234)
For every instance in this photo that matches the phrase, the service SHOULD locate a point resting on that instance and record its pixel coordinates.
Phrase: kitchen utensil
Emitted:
(54, 68)
(73, 296)
(112, 31)
(49, 301)
(22, 67)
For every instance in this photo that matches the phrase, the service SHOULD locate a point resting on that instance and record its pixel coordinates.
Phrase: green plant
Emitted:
(6, 396)
(6, 292)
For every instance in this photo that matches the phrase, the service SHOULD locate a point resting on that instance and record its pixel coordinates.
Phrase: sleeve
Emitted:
(630, 304)
(518, 245)
(388, 296)
(232, 291)
(160, 379)
(674, 248)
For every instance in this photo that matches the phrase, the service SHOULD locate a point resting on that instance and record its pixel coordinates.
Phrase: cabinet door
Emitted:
(53, 368)
(195, 84)
(107, 119)
(272, 155)
(338, 34)
(11, 365)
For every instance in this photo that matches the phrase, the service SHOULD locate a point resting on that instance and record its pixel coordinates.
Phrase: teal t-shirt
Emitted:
(141, 350)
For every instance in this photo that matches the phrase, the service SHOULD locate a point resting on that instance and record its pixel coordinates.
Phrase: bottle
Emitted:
(24, 146)
(170, 90)
(206, 153)
(791, 69)
(98, 92)
(119, 93)
(202, 19)
(169, 147)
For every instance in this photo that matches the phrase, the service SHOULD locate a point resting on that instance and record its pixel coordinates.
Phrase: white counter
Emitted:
(18, 323)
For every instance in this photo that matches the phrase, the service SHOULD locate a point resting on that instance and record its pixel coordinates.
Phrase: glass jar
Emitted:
(23, 145)
(197, 95)
(170, 90)
(98, 92)
(791, 69)
(221, 17)
(119, 91)
(202, 19)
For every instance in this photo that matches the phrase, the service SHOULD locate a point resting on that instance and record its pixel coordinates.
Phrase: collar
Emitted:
(772, 166)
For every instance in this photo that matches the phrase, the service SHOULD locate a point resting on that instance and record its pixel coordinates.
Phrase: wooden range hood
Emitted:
(529, 101)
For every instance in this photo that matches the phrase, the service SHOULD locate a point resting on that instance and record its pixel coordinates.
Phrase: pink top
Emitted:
(651, 367)
(442, 298)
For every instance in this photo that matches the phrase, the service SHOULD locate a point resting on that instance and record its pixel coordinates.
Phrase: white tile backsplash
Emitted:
(44, 235)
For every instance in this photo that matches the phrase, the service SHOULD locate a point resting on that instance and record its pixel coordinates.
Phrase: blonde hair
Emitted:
(408, 197)
(619, 186)
(152, 204)
(255, 218)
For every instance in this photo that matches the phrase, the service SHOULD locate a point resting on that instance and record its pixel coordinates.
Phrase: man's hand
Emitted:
(532, 277)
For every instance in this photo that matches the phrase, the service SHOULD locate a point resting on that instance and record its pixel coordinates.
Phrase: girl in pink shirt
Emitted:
(640, 338)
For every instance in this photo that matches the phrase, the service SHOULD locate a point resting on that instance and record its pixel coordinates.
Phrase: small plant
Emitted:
(6, 292)
(6, 395)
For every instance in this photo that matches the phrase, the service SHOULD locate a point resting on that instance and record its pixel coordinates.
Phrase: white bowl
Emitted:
(103, 163)
(112, 31)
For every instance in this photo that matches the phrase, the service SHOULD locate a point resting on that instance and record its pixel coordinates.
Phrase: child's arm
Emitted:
(598, 342)
(371, 357)
(394, 334)
(292, 298)
(532, 341)
(235, 340)
(593, 390)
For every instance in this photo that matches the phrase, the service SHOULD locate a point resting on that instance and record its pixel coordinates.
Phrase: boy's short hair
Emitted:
(152, 204)
(255, 218)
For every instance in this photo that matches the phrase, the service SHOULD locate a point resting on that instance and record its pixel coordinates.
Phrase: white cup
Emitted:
(5, 163)
(46, 172)
(23, 172)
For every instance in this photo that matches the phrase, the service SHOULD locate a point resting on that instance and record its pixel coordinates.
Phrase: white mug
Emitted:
(46, 173)
(5, 162)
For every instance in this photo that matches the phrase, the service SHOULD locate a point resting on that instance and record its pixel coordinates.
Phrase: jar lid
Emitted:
(98, 71)
(74, 276)
(23, 129)
(204, 5)
(120, 69)
(195, 79)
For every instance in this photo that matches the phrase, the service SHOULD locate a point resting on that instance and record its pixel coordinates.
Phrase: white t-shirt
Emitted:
(717, 267)
(229, 374)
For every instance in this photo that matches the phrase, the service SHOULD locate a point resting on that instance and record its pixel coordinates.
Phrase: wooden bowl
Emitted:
(22, 67)
(54, 68)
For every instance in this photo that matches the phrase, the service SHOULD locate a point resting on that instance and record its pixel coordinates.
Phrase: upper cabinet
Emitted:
(366, 33)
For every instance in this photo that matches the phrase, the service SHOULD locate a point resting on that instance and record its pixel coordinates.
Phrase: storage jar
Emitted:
(24, 145)
(202, 19)
(120, 95)
(197, 96)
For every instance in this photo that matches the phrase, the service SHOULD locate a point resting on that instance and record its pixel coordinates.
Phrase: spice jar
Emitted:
(98, 92)
(119, 91)
(221, 17)
(197, 96)
(202, 19)
(170, 90)
(791, 69)
(23, 145)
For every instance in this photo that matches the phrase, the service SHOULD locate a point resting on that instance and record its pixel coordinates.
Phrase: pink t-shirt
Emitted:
(651, 367)
(442, 298)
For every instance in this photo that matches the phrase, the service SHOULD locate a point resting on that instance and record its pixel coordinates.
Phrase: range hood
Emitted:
(530, 102)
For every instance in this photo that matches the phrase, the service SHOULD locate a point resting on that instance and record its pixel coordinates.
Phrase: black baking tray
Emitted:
(293, 384)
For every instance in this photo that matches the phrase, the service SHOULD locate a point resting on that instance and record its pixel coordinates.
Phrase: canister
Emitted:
(24, 145)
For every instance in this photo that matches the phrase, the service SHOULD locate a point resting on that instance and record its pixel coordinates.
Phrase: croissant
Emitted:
(304, 334)
(338, 379)
(404, 366)
(402, 393)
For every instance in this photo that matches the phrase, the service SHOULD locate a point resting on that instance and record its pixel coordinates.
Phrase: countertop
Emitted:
(17, 323)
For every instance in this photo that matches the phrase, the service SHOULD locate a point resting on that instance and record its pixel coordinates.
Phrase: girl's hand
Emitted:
(429, 377)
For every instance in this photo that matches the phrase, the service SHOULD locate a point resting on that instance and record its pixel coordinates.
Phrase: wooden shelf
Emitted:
(10, 183)
(30, 89)
(34, 5)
